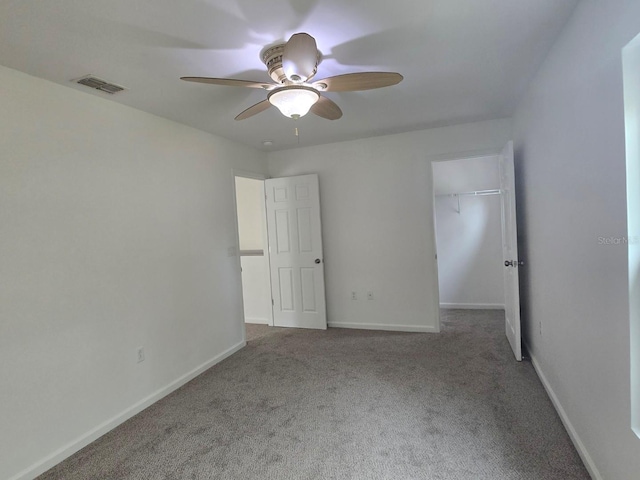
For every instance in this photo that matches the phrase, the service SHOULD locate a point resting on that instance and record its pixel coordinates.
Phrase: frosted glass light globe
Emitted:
(294, 101)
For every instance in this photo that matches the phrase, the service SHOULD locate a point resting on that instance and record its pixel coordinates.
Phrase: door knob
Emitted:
(317, 260)
(513, 263)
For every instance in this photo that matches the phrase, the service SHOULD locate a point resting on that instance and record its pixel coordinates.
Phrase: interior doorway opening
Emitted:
(467, 211)
(476, 237)
(280, 251)
(253, 250)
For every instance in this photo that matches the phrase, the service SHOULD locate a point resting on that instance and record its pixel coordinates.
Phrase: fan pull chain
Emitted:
(298, 135)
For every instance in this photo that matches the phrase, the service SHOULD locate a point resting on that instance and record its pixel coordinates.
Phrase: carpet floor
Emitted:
(348, 404)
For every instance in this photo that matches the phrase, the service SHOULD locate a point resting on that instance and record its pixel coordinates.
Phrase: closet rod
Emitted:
(477, 193)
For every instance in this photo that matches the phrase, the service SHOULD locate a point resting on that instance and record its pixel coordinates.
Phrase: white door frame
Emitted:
(265, 241)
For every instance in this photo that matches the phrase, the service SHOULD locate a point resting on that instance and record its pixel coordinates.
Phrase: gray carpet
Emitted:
(348, 404)
(257, 330)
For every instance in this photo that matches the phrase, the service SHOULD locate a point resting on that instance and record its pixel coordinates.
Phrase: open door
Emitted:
(510, 251)
(295, 252)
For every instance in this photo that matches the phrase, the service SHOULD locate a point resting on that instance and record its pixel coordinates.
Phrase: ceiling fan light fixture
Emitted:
(294, 101)
(291, 66)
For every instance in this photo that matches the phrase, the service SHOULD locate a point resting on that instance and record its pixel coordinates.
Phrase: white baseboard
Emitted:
(575, 438)
(474, 306)
(389, 328)
(92, 435)
(259, 321)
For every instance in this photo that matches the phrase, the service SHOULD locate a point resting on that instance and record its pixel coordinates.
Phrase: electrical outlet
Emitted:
(369, 295)
(354, 296)
(140, 354)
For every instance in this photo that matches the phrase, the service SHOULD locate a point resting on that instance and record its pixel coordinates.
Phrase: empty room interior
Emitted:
(312, 239)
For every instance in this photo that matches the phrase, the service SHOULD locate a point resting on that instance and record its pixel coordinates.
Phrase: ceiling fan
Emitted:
(292, 66)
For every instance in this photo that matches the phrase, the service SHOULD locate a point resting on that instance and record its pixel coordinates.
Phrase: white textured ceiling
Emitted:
(463, 60)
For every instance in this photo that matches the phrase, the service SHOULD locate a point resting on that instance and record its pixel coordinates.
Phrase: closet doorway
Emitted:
(467, 211)
(476, 237)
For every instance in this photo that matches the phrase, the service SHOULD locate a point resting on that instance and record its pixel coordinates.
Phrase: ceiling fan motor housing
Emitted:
(272, 58)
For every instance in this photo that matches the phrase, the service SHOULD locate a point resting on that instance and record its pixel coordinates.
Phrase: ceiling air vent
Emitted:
(98, 84)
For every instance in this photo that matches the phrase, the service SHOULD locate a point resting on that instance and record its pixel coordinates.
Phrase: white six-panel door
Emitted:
(510, 251)
(295, 252)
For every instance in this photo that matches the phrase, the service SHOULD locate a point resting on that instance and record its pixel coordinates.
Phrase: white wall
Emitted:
(470, 271)
(115, 232)
(377, 220)
(570, 160)
(256, 294)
